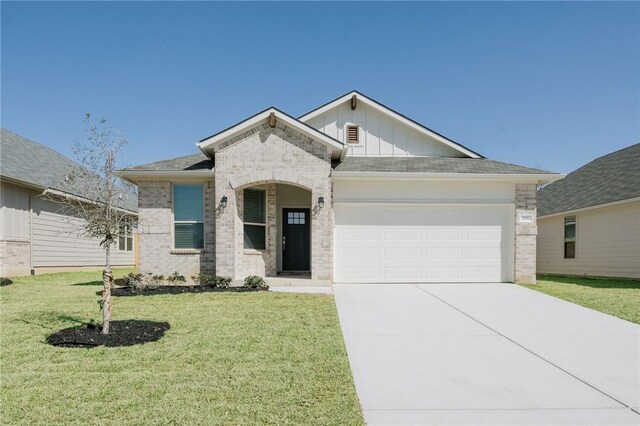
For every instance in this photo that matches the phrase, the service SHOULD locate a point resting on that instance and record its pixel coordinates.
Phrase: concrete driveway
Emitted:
(486, 354)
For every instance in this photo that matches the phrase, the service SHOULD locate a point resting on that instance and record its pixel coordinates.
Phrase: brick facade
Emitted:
(262, 157)
(525, 234)
(15, 258)
(157, 254)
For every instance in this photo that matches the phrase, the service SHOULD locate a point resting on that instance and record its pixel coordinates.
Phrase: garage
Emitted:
(384, 243)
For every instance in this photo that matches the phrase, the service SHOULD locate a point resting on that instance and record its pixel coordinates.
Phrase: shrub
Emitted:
(255, 281)
(204, 279)
(140, 282)
(5, 281)
(223, 282)
(176, 278)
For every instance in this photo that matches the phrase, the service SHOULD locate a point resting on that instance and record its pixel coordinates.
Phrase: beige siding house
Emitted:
(352, 191)
(35, 236)
(589, 222)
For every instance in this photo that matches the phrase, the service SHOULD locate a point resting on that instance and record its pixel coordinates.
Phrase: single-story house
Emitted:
(352, 191)
(36, 235)
(589, 222)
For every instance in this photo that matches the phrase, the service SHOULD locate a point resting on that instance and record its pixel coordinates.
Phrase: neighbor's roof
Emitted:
(187, 163)
(430, 165)
(613, 177)
(33, 164)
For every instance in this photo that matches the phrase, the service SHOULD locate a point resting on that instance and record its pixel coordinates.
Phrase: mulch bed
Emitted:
(121, 333)
(178, 289)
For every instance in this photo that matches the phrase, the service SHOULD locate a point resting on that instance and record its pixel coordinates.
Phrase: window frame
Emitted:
(127, 225)
(566, 239)
(174, 221)
(263, 225)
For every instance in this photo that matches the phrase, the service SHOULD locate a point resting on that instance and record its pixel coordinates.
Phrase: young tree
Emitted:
(96, 199)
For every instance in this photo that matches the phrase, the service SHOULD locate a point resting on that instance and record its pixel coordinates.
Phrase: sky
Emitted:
(549, 85)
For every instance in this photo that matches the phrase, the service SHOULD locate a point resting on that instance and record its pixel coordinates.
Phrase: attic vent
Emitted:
(353, 134)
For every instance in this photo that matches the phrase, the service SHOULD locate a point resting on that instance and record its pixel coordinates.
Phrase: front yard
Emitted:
(614, 296)
(228, 358)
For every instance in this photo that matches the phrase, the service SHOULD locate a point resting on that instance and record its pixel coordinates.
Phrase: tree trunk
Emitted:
(107, 279)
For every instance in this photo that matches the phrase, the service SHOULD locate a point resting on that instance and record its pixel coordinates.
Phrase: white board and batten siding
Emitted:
(57, 242)
(380, 134)
(400, 231)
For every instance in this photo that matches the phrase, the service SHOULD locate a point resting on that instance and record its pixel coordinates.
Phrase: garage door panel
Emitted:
(423, 243)
(406, 254)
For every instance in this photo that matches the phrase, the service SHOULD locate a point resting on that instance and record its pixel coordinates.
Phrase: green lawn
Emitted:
(229, 358)
(614, 296)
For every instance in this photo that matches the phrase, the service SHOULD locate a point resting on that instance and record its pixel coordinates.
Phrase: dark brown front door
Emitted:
(296, 240)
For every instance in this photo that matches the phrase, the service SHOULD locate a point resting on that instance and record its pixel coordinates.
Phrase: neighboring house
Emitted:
(349, 192)
(35, 236)
(589, 222)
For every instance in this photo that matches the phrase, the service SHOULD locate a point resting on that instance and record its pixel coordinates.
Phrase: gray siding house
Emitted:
(352, 191)
(35, 236)
(589, 222)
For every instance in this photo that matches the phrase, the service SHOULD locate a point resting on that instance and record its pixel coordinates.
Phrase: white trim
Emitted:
(381, 108)
(217, 139)
(533, 177)
(82, 199)
(142, 175)
(597, 206)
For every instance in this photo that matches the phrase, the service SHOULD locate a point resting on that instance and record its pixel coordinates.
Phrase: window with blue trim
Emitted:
(188, 216)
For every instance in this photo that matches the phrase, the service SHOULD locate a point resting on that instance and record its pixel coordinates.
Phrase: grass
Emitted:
(229, 358)
(614, 296)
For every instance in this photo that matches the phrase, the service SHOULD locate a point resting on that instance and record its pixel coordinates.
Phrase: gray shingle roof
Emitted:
(613, 177)
(190, 162)
(34, 164)
(430, 165)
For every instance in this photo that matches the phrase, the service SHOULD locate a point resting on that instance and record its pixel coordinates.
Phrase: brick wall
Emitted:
(15, 258)
(525, 244)
(263, 156)
(157, 254)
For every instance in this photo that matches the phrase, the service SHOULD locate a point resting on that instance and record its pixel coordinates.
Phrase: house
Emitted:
(352, 191)
(36, 236)
(589, 222)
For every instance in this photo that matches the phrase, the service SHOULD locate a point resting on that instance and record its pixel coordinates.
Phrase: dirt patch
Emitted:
(177, 289)
(122, 333)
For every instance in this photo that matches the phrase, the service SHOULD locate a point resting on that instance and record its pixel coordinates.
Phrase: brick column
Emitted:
(526, 231)
(322, 233)
(225, 227)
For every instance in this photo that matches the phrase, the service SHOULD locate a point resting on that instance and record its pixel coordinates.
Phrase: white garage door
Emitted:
(423, 243)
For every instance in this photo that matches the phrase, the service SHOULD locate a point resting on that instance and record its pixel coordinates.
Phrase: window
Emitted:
(255, 214)
(188, 216)
(353, 134)
(570, 237)
(295, 218)
(125, 239)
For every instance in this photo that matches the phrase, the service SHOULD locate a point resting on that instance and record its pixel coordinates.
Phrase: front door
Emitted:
(296, 240)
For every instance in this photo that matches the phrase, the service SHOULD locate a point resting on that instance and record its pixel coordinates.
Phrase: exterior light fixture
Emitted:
(223, 202)
(321, 202)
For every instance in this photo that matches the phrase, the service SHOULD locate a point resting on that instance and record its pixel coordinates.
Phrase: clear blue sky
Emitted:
(550, 85)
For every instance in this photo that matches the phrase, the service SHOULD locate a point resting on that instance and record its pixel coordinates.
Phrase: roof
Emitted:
(33, 164)
(613, 177)
(187, 163)
(337, 147)
(430, 165)
(392, 113)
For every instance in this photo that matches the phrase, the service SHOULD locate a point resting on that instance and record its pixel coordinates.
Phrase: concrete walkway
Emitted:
(487, 354)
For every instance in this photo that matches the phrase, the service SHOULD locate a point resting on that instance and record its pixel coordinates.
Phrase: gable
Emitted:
(382, 131)
(274, 119)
